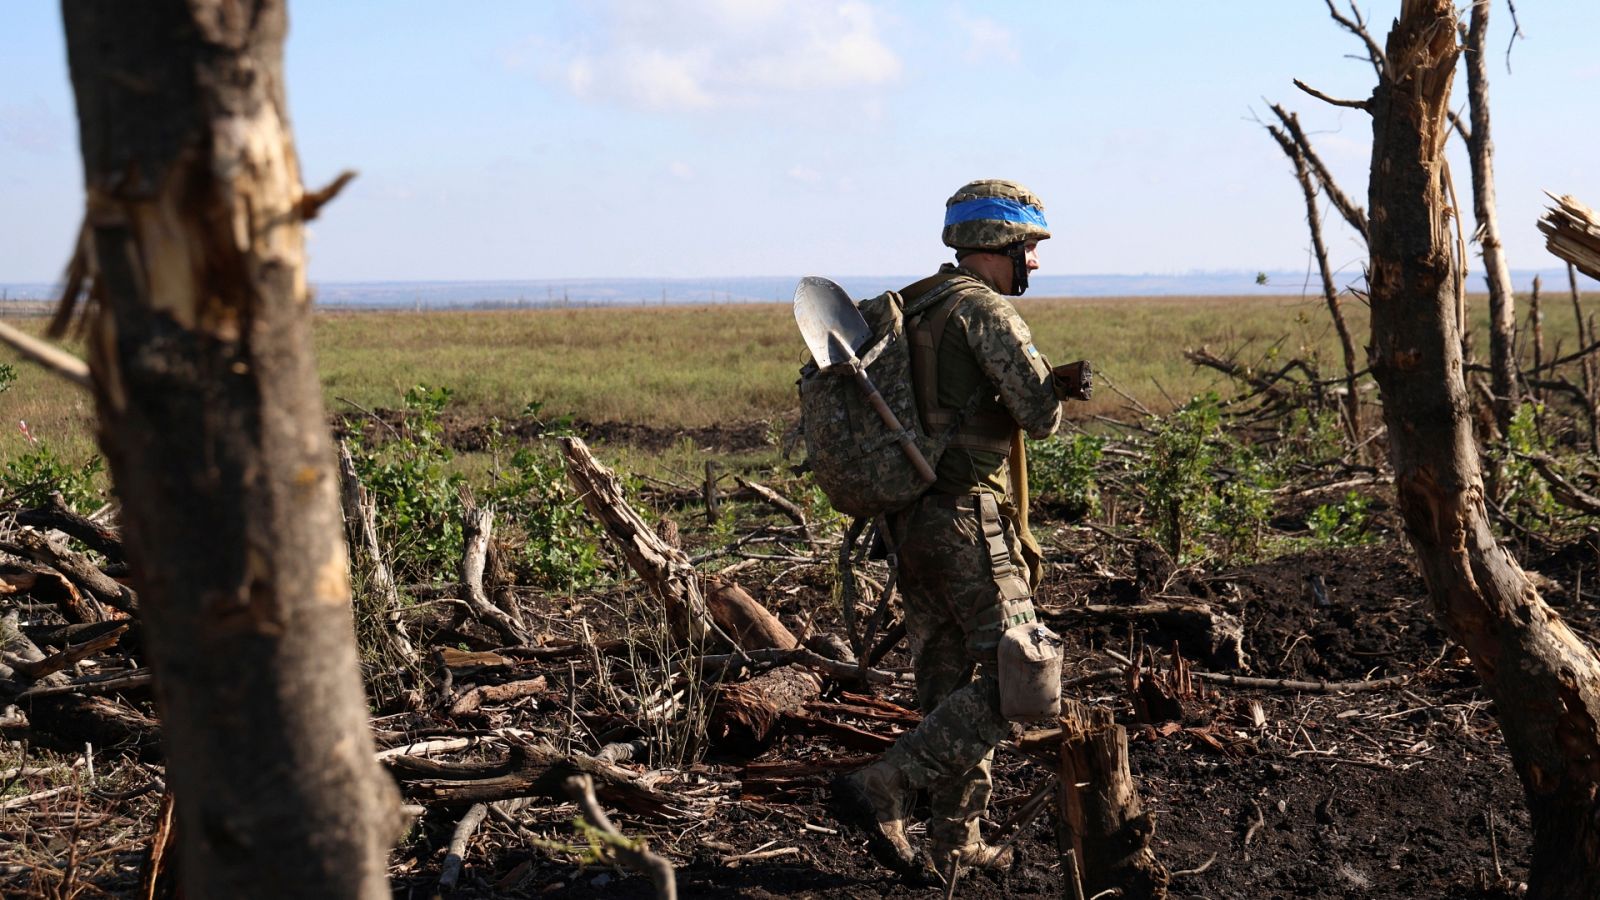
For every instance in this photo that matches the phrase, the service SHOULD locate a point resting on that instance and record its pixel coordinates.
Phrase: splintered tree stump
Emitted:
(745, 620)
(747, 712)
(1101, 820)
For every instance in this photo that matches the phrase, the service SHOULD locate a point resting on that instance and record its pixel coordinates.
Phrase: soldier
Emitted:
(967, 566)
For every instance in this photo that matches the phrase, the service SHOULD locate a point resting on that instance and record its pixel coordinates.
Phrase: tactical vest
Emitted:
(986, 431)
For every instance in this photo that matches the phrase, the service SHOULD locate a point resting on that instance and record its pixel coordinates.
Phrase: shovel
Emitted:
(835, 332)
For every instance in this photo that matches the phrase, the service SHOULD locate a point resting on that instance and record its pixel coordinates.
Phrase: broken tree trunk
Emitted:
(667, 569)
(1502, 302)
(1544, 681)
(1101, 818)
(744, 712)
(477, 524)
(211, 419)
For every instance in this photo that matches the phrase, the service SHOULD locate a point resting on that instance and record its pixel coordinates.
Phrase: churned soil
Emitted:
(1402, 792)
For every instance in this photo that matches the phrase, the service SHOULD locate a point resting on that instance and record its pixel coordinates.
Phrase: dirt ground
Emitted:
(1401, 792)
(1395, 793)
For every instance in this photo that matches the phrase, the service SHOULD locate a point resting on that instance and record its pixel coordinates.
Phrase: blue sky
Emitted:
(686, 138)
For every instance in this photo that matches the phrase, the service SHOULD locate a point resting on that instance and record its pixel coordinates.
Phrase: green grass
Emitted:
(698, 366)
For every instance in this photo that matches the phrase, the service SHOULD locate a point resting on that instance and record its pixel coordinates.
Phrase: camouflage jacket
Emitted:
(988, 347)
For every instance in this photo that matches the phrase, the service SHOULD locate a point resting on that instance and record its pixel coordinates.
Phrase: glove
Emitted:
(1074, 381)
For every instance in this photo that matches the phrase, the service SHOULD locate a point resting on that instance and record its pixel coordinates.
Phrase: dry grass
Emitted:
(698, 366)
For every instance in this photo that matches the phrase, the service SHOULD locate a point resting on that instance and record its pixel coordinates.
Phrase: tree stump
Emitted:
(1101, 821)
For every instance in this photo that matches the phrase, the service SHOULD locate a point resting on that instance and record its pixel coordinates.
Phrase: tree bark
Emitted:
(1502, 301)
(211, 418)
(1102, 820)
(1544, 681)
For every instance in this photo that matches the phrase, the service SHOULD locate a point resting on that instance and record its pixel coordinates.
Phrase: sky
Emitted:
(508, 139)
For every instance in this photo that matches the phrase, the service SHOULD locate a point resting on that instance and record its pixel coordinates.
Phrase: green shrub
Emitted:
(1176, 480)
(417, 487)
(1241, 504)
(1062, 470)
(557, 546)
(1342, 524)
(417, 495)
(1199, 481)
(1524, 493)
(29, 479)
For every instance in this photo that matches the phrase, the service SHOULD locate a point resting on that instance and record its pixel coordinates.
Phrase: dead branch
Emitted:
(469, 702)
(1335, 101)
(1215, 633)
(47, 356)
(361, 530)
(1356, 25)
(312, 202)
(663, 568)
(1295, 148)
(1284, 684)
(67, 658)
(1352, 212)
(777, 500)
(528, 770)
(1563, 490)
(845, 672)
(634, 854)
(450, 871)
(77, 567)
(57, 515)
(476, 524)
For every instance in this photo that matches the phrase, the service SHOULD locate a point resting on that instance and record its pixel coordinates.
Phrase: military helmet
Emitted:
(992, 214)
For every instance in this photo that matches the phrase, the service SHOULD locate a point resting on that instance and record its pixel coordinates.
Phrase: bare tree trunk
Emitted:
(1502, 301)
(1536, 322)
(211, 417)
(1545, 682)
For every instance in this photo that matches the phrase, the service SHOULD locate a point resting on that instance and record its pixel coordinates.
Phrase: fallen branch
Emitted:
(801, 656)
(635, 854)
(48, 356)
(476, 524)
(450, 871)
(77, 567)
(529, 769)
(1286, 684)
(782, 503)
(57, 515)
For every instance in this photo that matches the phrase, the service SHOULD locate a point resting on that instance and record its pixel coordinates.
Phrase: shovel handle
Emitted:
(918, 461)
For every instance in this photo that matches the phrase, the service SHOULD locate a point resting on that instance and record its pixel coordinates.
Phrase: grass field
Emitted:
(698, 366)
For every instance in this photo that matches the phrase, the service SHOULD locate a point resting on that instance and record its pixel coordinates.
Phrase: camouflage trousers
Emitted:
(963, 580)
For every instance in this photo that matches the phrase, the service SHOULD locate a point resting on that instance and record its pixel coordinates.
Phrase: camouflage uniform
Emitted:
(961, 565)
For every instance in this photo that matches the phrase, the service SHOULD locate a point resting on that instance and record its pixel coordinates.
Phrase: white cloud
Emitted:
(804, 174)
(693, 55)
(987, 40)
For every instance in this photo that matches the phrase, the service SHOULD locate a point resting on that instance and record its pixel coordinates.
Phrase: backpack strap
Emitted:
(963, 428)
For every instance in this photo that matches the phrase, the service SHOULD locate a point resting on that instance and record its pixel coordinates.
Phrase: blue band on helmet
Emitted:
(992, 208)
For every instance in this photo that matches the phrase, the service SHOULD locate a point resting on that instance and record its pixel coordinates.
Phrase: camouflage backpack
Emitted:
(856, 460)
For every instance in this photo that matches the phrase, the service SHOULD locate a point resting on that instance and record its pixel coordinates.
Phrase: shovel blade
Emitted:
(829, 321)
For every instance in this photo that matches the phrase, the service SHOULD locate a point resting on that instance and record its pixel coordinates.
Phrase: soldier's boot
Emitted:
(960, 839)
(877, 800)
